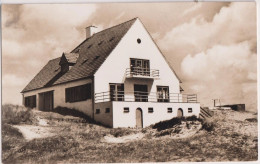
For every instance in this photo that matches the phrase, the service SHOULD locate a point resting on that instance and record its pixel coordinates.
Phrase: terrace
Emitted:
(138, 96)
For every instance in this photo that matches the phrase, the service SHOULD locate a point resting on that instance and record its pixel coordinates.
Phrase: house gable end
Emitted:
(161, 52)
(136, 43)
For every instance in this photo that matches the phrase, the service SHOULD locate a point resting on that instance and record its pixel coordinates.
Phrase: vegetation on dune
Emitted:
(174, 121)
(218, 140)
(72, 112)
(15, 114)
(208, 124)
(119, 132)
(11, 140)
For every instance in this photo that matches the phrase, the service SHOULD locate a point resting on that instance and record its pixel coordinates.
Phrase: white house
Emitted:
(117, 76)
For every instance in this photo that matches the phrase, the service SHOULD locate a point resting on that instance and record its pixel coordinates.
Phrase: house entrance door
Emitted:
(139, 118)
(141, 93)
(46, 101)
(179, 113)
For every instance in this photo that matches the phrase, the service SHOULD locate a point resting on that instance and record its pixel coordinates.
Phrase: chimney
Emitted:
(90, 30)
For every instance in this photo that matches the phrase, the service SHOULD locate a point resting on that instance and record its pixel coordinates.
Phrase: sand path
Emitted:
(31, 132)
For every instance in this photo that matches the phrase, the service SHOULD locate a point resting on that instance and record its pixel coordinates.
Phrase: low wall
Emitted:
(236, 107)
(160, 112)
(103, 117)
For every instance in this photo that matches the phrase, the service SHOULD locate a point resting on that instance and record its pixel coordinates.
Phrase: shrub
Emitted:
(174, 121)
(208, 124)
(10, 131)
(251, 119)
(162, 125)
(119, 132)
(72, 112)
(15, 114)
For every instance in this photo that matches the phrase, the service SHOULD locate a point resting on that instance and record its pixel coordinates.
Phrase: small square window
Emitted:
(107, 110)
(112, 39)
(150, 110)
(189, 110)
(169, 110)
(126, 110)
(100, 42)
(97, 111)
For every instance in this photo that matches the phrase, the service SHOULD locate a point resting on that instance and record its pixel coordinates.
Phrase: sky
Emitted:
(210, 45)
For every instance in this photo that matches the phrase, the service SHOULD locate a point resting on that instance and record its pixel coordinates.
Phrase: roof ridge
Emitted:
(114, 26)
(48, 75)
(103, 31)
(54, 58)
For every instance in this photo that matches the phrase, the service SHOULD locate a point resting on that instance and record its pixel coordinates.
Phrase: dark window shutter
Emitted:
(78, 93)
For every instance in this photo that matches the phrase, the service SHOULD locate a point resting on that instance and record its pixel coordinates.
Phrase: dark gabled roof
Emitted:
(92, 53)
(48, 72)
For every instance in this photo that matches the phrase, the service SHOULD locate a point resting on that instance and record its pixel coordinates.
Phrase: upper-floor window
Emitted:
(116, 91)
(162, 93)
(140, 67)
(30, 101)
(78, 93)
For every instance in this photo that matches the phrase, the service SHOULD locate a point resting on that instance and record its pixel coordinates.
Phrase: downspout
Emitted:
(93, 96)
(23, 99)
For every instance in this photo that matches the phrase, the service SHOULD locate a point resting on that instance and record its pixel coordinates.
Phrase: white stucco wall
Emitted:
(59, 96)
(102, 117)
(121, 119)
(113, 69)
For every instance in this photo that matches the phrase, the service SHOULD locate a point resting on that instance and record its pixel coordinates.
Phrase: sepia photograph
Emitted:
(129, 82)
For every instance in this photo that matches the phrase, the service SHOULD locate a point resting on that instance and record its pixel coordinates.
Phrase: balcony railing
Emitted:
(145, 97)
(142, 72)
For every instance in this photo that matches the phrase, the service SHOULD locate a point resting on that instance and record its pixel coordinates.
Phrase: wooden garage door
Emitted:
(46, 101)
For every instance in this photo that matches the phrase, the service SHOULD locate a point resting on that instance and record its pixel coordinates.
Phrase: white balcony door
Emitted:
(116, 91)
(141, 93)
(140, 67)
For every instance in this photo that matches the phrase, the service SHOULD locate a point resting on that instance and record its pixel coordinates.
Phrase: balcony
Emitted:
(137, 72)
(145, 97)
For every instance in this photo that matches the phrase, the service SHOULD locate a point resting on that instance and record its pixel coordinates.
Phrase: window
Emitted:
(140, 67)
(64, 67)
(169, 110)
(30, 101)
(107, 110)
(78, 93)
(96, 57)
(141, 93)
(150, 110)
(189, 110)
(112, 39)
(77, 50)
(97, 111)
(84, 61)
(162, 93)
(126, 110)
(138, 40)
(100, 42)
(116, 91)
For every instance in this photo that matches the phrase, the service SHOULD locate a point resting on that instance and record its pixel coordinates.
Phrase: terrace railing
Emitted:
(142, 72)
(145, 97)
